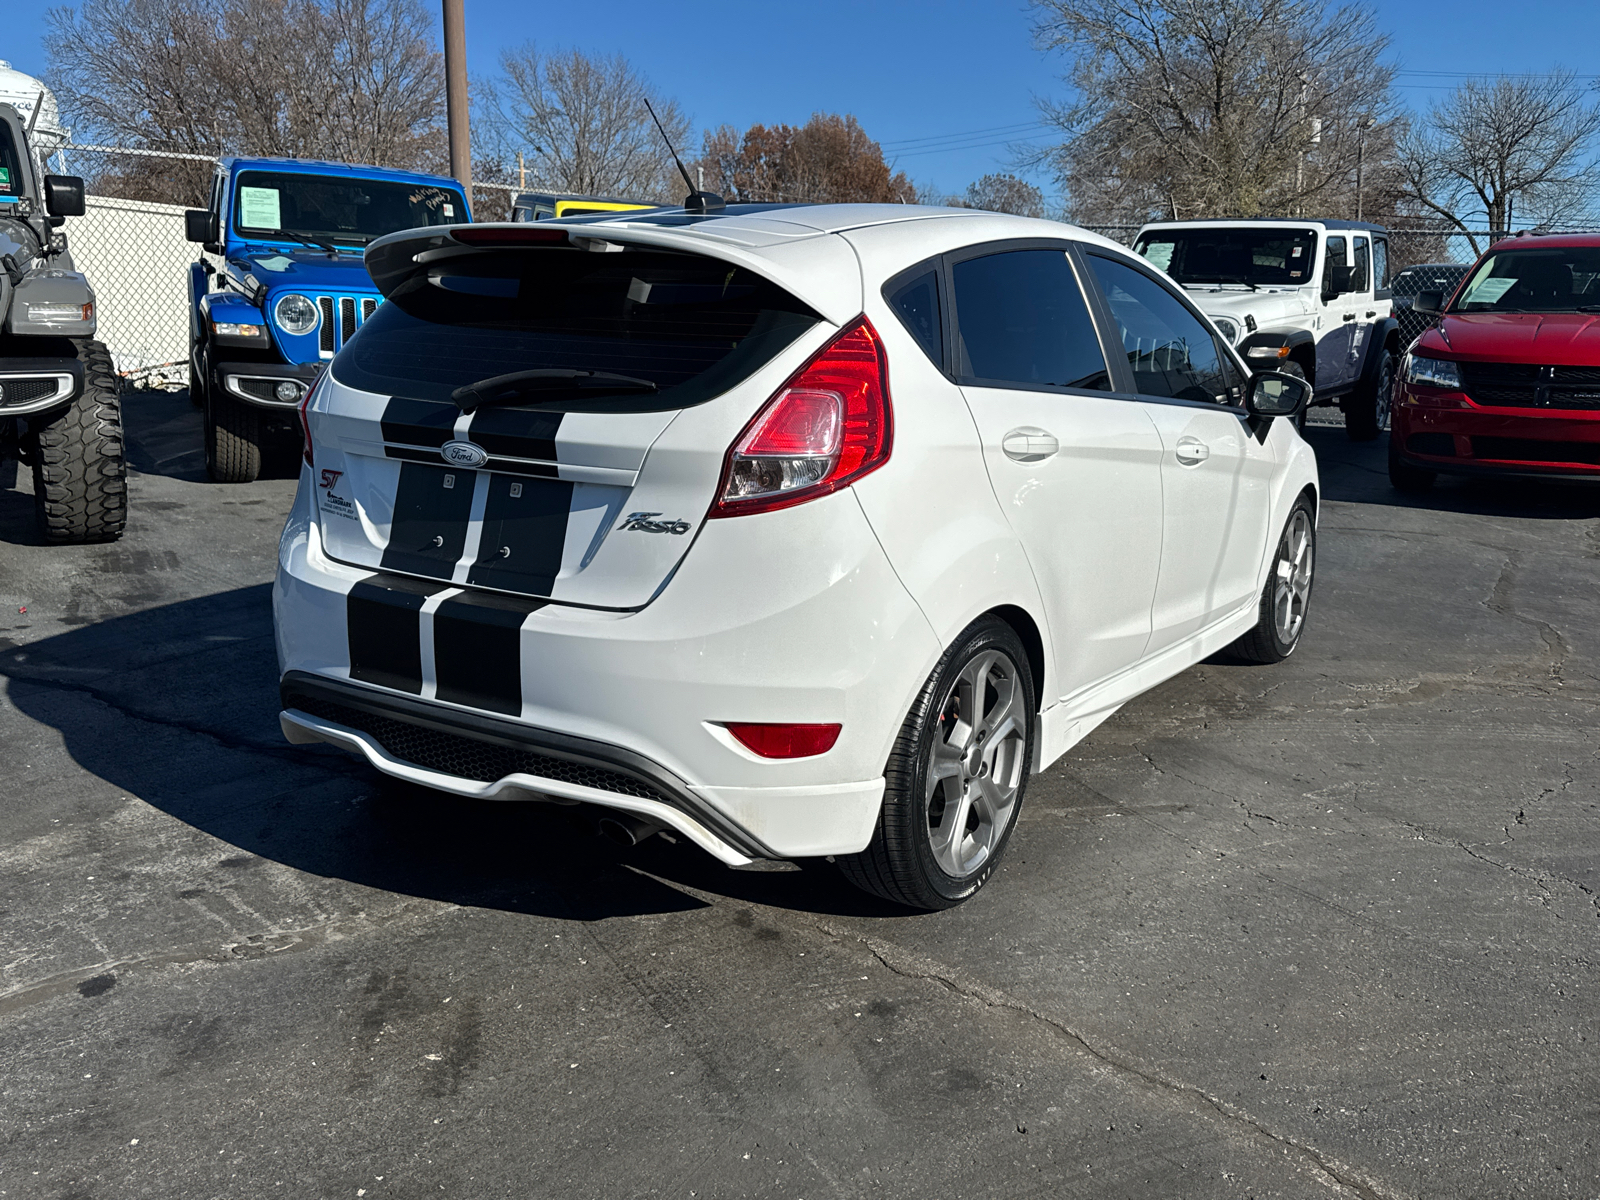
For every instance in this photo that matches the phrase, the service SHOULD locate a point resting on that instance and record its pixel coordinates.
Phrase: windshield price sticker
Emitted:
(258, 208)
(1488, 291)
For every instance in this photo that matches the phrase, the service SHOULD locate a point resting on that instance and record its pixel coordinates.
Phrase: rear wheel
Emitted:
(80, 473)
(1405, 477)
(1366, 410)
(233, 437)
(1287, 595)
(956, 775)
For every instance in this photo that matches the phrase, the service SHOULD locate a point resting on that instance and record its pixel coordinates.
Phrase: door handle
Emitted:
(1349, 316)
(1192, 451)
(1372, 312)
(1029, 444)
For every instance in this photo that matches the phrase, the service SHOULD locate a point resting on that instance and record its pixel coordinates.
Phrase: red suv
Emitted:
(1508, 382)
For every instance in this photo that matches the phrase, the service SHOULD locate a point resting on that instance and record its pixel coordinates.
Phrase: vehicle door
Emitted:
(1076, 468)
(1361, 305)
(1335, 322)
(1216, 473)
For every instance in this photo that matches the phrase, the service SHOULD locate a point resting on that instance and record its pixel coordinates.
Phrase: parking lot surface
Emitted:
(1325, 928)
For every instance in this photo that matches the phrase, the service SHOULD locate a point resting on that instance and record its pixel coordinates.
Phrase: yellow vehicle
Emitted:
(547, 206)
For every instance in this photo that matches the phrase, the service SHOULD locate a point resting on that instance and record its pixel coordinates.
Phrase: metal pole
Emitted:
(455, 85)
(1361, 134)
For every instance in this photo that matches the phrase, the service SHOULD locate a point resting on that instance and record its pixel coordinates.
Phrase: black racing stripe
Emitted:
(535, 470)
(516, 432)
(384, 627)
(418, 422)
(524, 532)
(477, 650)
(429, 530)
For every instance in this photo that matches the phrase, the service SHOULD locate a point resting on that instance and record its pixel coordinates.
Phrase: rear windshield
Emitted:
(1549, 280)
(1260, 256)
(694, 327)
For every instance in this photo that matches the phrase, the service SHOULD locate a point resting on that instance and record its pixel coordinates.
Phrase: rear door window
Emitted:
(1022, 321)
(677, 329)
(1362, 280)
(1170, 351)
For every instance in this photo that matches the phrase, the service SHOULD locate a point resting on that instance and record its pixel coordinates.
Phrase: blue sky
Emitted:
(945, 85)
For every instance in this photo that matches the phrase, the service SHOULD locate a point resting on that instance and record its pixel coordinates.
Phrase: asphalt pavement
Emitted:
(1327, 928)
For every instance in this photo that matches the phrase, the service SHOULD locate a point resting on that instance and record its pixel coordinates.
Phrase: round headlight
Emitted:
(295, 314)
(1227, 327)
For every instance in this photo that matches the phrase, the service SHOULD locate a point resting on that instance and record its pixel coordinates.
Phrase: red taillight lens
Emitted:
(305, 421)
(824, 429)
(785, 741)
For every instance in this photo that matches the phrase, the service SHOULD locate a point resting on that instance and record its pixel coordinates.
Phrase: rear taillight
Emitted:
(785, 741)
(305, 421)
(829, 425)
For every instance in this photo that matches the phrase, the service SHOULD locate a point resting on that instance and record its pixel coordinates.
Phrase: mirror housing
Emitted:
(1431, 303)
(1336, 281)
(63, 195)
(200, 225)
(1276, 394)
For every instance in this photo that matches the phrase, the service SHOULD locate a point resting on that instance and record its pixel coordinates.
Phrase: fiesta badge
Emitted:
(464, 454)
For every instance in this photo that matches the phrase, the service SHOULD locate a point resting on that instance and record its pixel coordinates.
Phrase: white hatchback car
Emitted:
(800, 531)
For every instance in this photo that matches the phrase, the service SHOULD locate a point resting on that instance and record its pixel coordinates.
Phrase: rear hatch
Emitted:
(498, 423)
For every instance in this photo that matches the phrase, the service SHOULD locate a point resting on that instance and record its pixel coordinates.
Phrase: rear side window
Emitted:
(1362, 280)
(1022, 321)
(692, 327)
(1171, 353)
(916, 303)
(1380, 264)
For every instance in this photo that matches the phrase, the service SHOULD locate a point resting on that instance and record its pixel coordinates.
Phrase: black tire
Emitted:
(1366, 409)
(198, 373)
(1267, 642)
(1295, 369)
(233, 437)
(1413, 481)
(900, 862)
(80, 471)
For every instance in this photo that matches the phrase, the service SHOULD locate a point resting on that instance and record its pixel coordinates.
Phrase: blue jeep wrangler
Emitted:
(293, 289)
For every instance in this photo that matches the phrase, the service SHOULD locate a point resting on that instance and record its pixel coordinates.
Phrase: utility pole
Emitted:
(455, 90)
(1362, 125)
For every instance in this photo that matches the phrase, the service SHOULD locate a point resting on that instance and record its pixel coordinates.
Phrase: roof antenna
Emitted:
(696, 201)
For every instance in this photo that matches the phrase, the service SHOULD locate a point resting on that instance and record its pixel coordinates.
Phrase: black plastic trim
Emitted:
(498, 731)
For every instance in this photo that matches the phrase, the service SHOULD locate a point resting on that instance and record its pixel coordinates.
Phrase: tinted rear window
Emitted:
(916, 303)
(693, 326)
(1022, 319)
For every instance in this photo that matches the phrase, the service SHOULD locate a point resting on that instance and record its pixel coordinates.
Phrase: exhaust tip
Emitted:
(625, 829)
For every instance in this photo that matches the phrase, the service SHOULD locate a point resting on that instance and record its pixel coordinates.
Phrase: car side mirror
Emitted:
(1336, 281)
(1276, 394)
(1431, 303)
(63, 195)
(200, 225)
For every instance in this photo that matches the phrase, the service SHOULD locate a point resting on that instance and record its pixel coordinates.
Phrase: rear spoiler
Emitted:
(830, 288)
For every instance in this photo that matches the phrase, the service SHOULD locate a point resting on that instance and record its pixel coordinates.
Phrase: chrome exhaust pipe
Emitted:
(625, 828)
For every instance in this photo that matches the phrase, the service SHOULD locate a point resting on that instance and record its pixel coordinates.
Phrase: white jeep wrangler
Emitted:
(1308, 297)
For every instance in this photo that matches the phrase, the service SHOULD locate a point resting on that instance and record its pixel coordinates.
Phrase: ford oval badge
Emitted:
(464, 454)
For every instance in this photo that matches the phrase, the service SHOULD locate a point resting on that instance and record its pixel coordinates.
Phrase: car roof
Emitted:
(1545, 241)
(1244, 222)
(311, 166)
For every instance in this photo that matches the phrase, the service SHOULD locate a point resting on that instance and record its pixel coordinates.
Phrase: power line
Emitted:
(942, 137)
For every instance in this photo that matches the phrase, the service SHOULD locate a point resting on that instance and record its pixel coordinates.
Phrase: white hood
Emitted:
(1270, 307)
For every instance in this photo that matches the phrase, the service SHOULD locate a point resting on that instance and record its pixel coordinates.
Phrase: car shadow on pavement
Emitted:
(1359, 472)
(177, 706)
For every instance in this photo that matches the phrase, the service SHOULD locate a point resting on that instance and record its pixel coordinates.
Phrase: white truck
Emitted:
(1310, 297)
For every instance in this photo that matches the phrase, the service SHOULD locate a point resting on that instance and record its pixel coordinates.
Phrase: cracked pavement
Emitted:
(1329, 928)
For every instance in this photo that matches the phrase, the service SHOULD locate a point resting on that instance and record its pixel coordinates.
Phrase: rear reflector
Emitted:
(492, 236)
(785, 741)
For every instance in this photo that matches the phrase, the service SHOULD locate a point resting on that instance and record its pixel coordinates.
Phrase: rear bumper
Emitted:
(256, 382)
(1450, 434)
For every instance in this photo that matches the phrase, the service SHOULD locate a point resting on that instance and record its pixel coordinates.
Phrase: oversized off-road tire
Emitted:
(1286, 598)
(233, 438)
(80, 474)
(1366, 410)
(956, 775)
(1406, 478)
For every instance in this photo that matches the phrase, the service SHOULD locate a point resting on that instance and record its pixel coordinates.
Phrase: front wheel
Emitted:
(233, 438)
(1366, 410)
(1287, 596)
(80, 473)
(956, 775)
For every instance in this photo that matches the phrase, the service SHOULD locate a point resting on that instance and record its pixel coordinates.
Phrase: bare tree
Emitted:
(1002, 194)
(828, 160)
(352, 80)
(1191, 108)
(582, 124)
(1506, 149)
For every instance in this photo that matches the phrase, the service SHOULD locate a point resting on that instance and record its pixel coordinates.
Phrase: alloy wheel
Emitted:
(1291, 590)
(1384, 400)
(976, 767)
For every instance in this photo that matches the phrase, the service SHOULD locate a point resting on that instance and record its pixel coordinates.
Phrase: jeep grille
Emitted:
(341, 317)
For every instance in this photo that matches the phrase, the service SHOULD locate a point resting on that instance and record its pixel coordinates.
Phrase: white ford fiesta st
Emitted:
(796, 530)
